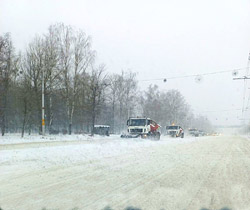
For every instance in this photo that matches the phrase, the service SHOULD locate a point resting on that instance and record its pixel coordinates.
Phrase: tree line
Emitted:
(79, 93)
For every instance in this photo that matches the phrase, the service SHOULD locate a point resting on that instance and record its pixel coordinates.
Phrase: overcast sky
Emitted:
(156, 39)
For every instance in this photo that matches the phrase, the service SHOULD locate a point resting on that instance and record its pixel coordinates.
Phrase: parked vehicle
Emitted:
(102, 130)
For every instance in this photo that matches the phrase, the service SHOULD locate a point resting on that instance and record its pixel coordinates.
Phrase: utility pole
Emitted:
(43, 108)
(245, 78)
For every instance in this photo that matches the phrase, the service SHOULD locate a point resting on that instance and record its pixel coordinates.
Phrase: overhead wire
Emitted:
(206, 74)
(225, 110)
(195, 75)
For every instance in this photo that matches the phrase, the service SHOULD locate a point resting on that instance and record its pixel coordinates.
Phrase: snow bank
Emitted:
(84, 148)
(16, 138)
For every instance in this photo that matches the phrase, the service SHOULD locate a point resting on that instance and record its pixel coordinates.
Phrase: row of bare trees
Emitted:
(79, 93)
(170, 107)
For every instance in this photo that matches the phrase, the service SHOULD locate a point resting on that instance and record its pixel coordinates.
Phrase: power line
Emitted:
(240, 78)
(195, 75)
(224, 110)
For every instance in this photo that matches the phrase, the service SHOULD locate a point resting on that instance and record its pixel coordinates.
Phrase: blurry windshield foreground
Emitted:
(125, 105)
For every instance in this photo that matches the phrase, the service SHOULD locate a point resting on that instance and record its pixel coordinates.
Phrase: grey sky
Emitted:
(156, 39)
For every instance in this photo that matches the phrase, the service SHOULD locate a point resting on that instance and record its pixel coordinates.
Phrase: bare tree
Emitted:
(166, 107)
(112, 95)
(8, 67)
(123, 97)
(176, 107)
(26, 102)
(52, 71)
(33, 65)
(76, 57)
(130, 92)
(97, 86)
(151, 103)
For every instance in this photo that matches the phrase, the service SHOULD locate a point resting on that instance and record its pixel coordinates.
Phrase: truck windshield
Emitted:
(137, 122)
(172, 127)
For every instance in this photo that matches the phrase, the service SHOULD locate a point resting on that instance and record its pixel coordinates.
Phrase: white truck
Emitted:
(142, 127)
(175, 131)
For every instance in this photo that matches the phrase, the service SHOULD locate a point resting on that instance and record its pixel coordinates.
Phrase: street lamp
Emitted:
(43, 108)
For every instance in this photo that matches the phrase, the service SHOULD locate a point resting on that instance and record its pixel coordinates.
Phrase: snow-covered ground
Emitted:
(68, 149)
(16, 138)
(64, 172)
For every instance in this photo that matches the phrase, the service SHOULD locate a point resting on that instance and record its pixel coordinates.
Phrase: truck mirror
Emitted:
(127, 122)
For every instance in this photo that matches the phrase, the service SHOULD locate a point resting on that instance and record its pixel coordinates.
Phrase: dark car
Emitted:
(102, 130)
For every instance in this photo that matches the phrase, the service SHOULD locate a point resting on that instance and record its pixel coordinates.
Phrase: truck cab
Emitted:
(138, 125)
(175, 131)
(193, 132)
(142, 127)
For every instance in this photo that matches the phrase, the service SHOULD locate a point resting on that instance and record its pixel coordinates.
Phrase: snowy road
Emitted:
(190, 174)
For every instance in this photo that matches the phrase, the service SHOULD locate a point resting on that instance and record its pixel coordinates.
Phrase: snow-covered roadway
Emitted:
(113, 173)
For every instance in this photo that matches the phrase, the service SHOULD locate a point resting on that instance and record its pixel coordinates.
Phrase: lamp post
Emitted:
(43, 108)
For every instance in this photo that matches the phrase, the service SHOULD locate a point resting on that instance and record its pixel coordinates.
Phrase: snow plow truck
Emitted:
(142, 127)
(175, 131)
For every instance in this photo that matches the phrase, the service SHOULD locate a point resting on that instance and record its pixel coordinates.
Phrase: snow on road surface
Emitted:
(15, 139)
(113, 173)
